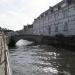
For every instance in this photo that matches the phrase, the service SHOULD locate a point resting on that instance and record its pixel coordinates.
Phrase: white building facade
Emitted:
(59, 19)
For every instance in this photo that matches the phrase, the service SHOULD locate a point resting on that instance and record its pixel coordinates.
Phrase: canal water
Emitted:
(41, 60)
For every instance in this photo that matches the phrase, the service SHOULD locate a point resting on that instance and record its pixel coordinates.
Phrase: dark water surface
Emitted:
(42, 60)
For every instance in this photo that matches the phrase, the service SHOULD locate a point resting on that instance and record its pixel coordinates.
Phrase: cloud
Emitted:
(14, 20)
(7, 1)
(16, 13)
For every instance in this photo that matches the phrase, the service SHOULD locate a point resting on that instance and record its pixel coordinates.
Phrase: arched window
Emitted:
(66, 26)
(49, 29)
(65, 13)
(56, 28)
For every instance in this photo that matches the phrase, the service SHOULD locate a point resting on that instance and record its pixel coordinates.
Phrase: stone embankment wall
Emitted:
(4, 56)
(49, 40)
(59, 40)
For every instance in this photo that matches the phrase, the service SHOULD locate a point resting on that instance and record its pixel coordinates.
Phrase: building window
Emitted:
(67, 1)
(49, 29)
(56, 28)
(46, 13)
(74, 7)
(74, 19)
(59, 7)
(65, 13)
(56, 16)
(66, 26)
(51, 9)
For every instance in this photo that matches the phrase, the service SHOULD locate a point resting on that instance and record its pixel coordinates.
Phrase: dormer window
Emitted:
(39, 18)
(42, 15)
(51, 9)
(67, 1)
(59, 7)
(56, 8)
(46, 13)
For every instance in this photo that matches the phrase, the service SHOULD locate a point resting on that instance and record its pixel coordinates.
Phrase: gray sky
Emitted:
(14, 14)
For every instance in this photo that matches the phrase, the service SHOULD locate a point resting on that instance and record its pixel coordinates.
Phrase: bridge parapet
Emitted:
(34, 38)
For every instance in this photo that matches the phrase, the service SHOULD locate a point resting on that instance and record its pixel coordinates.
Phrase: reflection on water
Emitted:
(42, 60)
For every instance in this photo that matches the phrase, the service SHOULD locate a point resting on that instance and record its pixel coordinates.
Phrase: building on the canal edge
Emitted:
(27, 29)
(59, 19)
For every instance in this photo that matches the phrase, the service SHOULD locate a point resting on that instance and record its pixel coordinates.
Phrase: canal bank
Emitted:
(4, 56)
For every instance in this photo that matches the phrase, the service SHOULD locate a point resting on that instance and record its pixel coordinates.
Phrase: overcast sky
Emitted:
(14, 14)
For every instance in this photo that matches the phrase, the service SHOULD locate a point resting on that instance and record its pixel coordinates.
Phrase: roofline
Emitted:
(61, 2)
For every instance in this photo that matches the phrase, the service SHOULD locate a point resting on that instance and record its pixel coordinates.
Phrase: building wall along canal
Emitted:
(59, 19)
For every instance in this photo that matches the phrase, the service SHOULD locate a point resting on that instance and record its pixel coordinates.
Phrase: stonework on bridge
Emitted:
(34, 38)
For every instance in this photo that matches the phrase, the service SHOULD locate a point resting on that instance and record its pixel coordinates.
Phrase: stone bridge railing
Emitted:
(34, 38)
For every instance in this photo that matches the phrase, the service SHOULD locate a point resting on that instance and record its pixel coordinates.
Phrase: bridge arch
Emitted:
(15, 38)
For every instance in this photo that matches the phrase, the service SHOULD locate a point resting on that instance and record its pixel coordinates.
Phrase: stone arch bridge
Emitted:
(34, 38)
